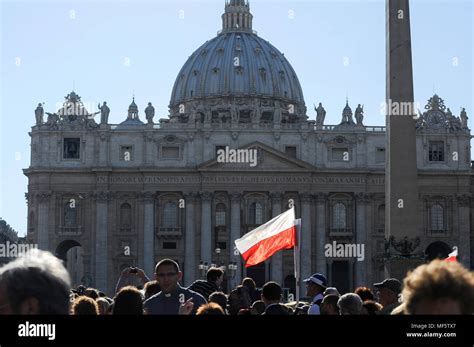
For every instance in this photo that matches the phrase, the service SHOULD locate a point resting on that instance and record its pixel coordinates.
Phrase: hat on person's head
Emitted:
(391, 283)
(318, 279)
(331, 291)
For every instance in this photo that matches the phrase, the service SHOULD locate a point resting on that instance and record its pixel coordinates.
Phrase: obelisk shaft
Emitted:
(401, 174)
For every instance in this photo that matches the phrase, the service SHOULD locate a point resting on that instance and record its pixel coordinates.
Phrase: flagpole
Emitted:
(296, 252)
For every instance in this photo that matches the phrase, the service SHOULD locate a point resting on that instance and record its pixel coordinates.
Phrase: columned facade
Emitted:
(145, 192)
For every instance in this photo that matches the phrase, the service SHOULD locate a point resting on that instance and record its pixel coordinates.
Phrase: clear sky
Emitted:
(110, 50)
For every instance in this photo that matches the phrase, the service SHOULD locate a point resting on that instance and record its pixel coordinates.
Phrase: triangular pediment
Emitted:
(254, 156)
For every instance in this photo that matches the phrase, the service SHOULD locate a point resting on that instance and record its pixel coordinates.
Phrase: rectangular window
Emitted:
(340, 154)
(72, 148)
(170, 152)
(220, 218)
(169, 245)
(222, 245)
(126, 153)
(290, 151)
(436, 151)
(380, 155)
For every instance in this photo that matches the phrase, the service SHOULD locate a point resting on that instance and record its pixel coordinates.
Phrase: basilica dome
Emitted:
(237, 64)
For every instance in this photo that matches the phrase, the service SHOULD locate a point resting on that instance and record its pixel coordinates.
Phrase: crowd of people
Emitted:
(38, 283)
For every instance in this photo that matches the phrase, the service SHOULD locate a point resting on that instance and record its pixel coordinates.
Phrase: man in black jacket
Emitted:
(271, 297)
(214, 278)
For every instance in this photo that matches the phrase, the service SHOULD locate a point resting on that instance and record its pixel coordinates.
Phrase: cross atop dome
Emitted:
(237, 16)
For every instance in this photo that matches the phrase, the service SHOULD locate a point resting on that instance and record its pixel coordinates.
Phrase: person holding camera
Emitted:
(132, 276)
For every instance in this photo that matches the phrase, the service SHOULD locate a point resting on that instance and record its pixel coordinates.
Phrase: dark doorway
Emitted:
(257, 272)
(71, 253)
(340, 276)
(290, 283)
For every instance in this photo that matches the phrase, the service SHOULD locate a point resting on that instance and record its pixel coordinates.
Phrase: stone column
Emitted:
(148, 200)
(464, 247)
(191, 149)
(101, 253)
(235, 234)
(370, 227)
(148, 147)
(189, 240)
(103, 147)
(305, 245)
(206, 225)
(361, 238)
(43, 220)
(277, 258)
(321, 200)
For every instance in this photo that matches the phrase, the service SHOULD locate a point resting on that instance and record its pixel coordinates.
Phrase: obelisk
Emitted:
(401, 174)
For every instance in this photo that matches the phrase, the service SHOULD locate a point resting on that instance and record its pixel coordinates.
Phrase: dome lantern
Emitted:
(237, 16)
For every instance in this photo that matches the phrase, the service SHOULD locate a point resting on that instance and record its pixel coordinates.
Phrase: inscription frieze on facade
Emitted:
(239, 179)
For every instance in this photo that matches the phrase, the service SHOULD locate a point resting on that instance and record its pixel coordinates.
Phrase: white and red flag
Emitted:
(453, 256)
(261, 243)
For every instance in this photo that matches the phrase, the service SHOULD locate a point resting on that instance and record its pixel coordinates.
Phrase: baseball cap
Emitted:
(318, 279)
(391, 283)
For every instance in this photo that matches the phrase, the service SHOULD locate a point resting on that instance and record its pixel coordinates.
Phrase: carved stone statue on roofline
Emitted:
(320, 114)
(150, 113)
(39, 113)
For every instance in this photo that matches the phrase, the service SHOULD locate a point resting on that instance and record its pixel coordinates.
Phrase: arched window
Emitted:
(70, 215)
(170, 215)
(339, 216)
(437, 217)
(220, 215)
(125, 216)
(256, 213)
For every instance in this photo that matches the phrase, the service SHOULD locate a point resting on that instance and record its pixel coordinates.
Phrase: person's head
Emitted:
(219, 298)
(84, 305)
(271, 293)
(388, 291)
(331, 291)
(371, 307)
(329, 305)
(92, 293)
(249, 283)
(149, 104)
(103, 304)
(439, 287)
(316, 284)
(151, 288)
(128, 301)
(258, 307)
(36, 283)
(210, 309)
(364, 293)
(215, 275)
(350, 304)
(239, 298)
(168, 275)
